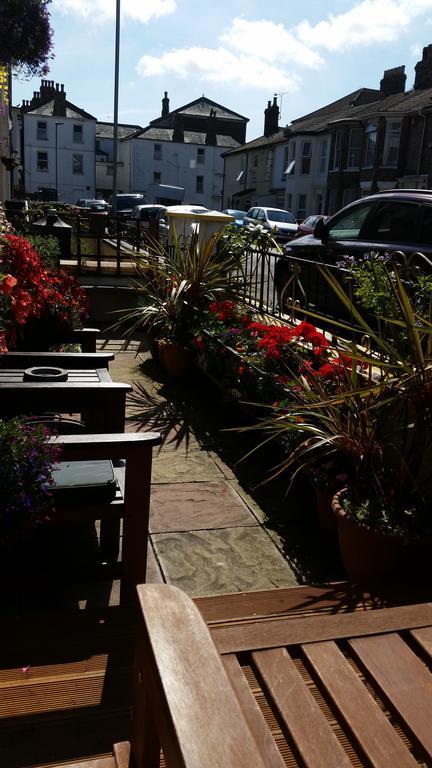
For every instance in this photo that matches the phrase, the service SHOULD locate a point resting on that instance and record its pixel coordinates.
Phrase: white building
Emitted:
(178, 157)
(105, 154)
(57, 141)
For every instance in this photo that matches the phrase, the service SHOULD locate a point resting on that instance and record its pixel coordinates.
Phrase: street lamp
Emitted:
(56, 177)
(116, 90)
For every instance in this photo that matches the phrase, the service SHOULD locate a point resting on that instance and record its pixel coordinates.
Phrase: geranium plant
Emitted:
(27, 460)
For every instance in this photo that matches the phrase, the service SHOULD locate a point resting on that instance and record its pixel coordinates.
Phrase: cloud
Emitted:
(272, 42)
(368, 22)
(218, 65)
(101, 10)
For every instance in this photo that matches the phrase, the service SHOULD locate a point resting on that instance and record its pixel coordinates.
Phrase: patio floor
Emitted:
(213, 527)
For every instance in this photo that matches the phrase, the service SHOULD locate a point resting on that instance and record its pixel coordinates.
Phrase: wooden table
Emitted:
(88, 391)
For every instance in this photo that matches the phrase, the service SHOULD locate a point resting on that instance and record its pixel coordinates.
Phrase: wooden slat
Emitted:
(403, 678)
(365, 719)
(67, 360)
(424, 638)
(98, 762)
(310, 731)
(252, 713)
(280, 631)
(340, 597)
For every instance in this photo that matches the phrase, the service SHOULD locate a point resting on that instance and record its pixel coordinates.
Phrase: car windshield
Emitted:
(236, 214)
(129, 201)
(284, 216)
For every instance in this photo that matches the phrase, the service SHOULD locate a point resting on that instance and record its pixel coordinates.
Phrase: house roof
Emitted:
(46, 109)
(153, 133)
(261, 141)
(106, 130)
(201, 108)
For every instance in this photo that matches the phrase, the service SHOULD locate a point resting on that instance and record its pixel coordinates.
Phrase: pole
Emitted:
(116, 89)
(56, 166)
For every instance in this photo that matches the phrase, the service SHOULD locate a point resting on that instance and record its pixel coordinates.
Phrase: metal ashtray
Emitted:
(45, 373)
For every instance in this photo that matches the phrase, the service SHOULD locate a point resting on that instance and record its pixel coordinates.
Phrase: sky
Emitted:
(238, 53)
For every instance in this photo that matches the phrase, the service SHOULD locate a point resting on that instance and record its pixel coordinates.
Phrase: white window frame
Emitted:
(301, 210)
(354, 152)
(157, 151)
(369, 158)
(200, 158)
(323, 157)
(159, 177)
(338, 149)
(42, 130)
(306, 157)
(77, 164)
(392, 142)
(199, 184)
(78, 133)
(42, 160)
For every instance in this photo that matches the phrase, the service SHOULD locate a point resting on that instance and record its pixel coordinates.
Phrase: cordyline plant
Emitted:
(26, 36)
(376, 422)
(178, 283)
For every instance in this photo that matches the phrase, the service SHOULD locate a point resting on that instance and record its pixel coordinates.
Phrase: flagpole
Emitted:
(116, 89)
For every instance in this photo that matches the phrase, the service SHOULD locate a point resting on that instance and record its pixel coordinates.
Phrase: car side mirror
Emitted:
(320, 231)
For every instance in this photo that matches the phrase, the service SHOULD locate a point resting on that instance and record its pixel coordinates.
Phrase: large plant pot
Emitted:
(373, 558)
(176, 359)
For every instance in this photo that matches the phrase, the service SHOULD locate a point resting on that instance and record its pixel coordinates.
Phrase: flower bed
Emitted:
(35, 299)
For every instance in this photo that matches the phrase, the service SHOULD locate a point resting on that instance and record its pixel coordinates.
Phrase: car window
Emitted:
(348, 225)
(283, 216)
(252, 213)
(426, 230)
(261, 215)
(395, 222)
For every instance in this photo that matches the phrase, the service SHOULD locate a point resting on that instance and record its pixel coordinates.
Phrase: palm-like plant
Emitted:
(177, 283)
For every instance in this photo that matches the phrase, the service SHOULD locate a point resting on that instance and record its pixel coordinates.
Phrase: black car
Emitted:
(396, 220)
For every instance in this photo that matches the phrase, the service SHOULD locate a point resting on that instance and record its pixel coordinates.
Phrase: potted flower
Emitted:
(27, 460)
(176, 286)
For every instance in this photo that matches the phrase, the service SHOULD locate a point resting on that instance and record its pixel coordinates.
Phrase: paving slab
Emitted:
(220, 561)
(197, 506)
(178, 467)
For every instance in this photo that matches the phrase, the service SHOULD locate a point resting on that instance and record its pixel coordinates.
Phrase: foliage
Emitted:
(26, 36)
(29, 291)
(376, 423)
(178, 283)
(26, 464)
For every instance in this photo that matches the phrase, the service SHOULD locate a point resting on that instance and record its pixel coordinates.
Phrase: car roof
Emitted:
(151, 205)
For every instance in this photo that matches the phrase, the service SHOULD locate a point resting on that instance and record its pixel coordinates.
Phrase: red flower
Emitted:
(7, 284)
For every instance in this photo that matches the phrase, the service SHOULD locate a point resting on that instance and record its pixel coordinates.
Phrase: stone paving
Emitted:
(209, 531)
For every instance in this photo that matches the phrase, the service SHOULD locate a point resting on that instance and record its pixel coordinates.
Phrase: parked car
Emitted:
(93, 206)
(281, 223)
(126, 202)
(141, 216)
(394, 220)
(307, 226)
(238, 216)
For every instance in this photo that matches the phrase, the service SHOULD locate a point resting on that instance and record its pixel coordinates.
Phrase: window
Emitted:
(349, 195)
(255, 161)
(199, 184)
(77, 134)
(42, 161)
(371, 140)
(288, 201)
(240, 176)
(354, 148)
(285, 163)
(391, 150)
(42, 131)
(395, 223)
(157, 151)
(77, 164)
(348, 225)
(109, 170)
(337, 150)
(269, 165)
(306, 153)
(323, 157)
(156, 177)
(301, 208)
(200, 156)
(289, 170)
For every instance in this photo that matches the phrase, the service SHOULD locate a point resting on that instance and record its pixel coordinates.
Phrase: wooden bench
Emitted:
(315, 677)
(70, 360)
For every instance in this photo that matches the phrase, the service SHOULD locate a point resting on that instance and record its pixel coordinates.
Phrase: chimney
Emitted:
(165, 105)
(393, 81)
(423, 70)
(59, 101)
(178, 131)
(211, 129)
(271, 118)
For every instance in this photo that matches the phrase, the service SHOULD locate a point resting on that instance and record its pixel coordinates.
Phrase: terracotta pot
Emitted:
(176, 359)
(323, 500)
(372, 557)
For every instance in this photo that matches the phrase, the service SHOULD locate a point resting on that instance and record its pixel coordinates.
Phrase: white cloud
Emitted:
(368, 22)
(219, 65)
(100, 10)
(269, 41)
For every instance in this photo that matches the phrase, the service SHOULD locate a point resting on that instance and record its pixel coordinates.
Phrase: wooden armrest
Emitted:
(103, 446)
(86, 337)
(70, 360)
(188, 694)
